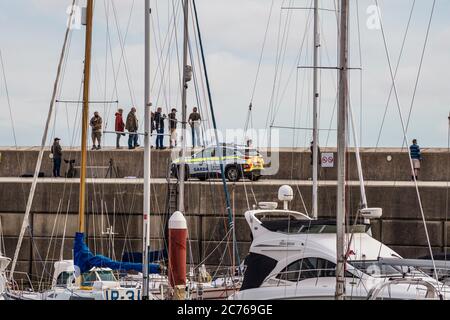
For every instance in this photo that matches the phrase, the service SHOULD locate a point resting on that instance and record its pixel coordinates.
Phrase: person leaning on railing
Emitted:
(416, 157)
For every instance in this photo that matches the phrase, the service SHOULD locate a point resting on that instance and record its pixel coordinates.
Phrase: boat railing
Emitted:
(432, 291)
(21, 285)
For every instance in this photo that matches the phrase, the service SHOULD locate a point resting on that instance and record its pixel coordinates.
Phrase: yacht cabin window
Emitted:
(309, 268)
(63, 277)
(88, 279)
(106, 275)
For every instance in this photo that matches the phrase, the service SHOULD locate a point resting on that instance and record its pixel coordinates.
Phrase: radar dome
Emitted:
(285, 193)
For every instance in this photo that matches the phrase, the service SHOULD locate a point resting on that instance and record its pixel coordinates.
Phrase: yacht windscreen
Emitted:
(291, 226)
(375, 269)
(63, 278)
(106, 275)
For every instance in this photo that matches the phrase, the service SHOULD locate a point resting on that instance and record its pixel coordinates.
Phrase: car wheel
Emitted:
(232, 173)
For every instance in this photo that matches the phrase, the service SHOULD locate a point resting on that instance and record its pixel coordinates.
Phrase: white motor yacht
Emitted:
(4, 262)
(294, 257)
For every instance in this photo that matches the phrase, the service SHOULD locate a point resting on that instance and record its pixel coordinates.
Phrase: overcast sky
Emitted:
(233, 33)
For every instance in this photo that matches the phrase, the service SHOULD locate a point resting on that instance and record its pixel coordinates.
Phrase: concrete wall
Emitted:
(55, 215)
(294, 163)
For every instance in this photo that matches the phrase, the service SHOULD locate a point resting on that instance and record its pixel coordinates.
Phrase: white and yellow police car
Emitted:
(238, 162)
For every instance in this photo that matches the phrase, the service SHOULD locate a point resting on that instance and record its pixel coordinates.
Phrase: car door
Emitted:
(199, 163)
(214, 163)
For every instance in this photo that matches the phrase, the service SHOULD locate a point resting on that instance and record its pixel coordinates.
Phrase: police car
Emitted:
(238, 162)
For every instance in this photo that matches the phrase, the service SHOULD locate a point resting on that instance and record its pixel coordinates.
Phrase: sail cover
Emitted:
(86, 260)
(153, 256)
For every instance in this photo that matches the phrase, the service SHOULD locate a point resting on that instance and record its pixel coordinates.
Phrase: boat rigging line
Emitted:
(213, 118)
(42, 149)
(404, 129)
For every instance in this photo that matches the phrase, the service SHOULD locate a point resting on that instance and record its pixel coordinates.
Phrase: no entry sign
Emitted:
(327, 160)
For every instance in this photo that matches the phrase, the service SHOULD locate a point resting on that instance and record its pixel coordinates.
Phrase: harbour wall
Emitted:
(114, 207)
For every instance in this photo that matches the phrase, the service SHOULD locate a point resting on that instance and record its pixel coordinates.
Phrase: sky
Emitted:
(233, 34)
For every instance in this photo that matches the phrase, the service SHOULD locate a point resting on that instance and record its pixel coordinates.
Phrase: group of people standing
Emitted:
(131, 124)
(158, 125)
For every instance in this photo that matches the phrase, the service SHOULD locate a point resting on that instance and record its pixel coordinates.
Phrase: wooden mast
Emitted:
(85, 115)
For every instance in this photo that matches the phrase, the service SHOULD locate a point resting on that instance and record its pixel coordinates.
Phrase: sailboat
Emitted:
(4, 262)
(89, 276)
(295, 257)
(201, 286)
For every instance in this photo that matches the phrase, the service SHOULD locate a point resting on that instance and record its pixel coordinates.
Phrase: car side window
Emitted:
(230, 152)
(198, 155)
(206, 153)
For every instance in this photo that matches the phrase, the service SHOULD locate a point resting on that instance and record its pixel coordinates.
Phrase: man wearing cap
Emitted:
(96, 125)
(57, 156)
(173, 128)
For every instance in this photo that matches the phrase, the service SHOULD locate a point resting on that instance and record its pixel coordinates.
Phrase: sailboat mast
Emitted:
(341, 149)
(147, 156)
(315, 111)
(85, 114)
(182, 171)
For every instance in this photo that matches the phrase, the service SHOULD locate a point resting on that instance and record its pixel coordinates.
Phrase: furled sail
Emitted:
(153, 256)
(85, 260)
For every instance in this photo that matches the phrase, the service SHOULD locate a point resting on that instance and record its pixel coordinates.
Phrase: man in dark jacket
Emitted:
(132, 127)
(173, 128)
(152, 125)
(159, 124)
(319, 159)
(57, 156)
(120, 127)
